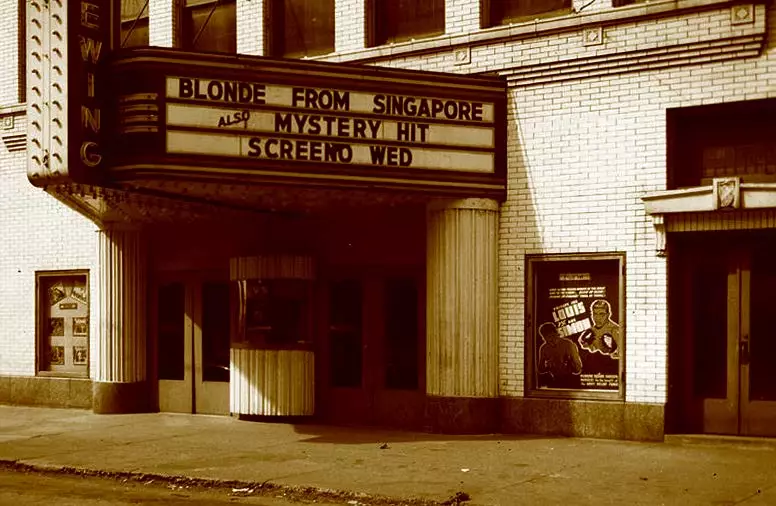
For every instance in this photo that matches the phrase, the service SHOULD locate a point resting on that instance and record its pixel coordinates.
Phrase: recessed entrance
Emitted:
(191, 320)
(371, 348)
(722, 336)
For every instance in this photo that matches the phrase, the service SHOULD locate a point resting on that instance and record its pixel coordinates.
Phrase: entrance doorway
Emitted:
(192, 323)
(722, 332)
(371, 353)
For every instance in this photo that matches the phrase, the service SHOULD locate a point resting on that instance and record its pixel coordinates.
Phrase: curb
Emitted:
(238, 488)
(763, 443)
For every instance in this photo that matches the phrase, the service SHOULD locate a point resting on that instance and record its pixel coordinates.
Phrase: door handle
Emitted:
(743, 352)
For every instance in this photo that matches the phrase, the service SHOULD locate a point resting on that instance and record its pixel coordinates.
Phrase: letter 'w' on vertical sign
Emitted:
(90, 49)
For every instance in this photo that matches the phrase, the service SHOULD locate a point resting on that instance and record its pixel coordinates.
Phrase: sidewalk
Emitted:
(492, 470)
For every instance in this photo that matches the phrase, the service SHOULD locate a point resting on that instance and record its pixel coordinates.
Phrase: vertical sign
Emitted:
(577, 331)
(89, 28)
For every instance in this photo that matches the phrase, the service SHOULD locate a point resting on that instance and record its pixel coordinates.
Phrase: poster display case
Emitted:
(575, 325)
(63, 324)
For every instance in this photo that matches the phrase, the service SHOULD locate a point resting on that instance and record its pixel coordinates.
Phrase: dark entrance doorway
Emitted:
(371, 348)
(722, 336)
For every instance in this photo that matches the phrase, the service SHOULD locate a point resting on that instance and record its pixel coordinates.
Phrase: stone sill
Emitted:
(13, 110)
(530, 29)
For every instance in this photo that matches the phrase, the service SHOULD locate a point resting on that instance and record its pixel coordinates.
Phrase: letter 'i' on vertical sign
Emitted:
(88, 39)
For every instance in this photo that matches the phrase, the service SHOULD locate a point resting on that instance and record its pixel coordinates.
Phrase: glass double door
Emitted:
(370, 355)
(724, 301)
(191, 320)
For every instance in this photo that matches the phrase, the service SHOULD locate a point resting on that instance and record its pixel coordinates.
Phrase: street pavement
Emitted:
(374, 466)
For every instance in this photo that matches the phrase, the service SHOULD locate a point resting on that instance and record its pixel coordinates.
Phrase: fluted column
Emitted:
(462, 314)
(120, 372)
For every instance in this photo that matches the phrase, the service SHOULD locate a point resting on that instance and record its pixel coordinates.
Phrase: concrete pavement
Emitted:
(372, 466)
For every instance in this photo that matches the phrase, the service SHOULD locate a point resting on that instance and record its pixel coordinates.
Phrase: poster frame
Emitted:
(531, 381)
(41, 324)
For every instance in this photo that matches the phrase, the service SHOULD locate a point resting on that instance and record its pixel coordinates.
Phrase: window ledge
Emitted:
(530, 29)
(13, 110)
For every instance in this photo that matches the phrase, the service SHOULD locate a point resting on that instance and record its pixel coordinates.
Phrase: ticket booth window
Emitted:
(63, 324)
(274, 313)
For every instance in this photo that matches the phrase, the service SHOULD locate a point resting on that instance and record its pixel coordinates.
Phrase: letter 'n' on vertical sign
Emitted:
(88, 44)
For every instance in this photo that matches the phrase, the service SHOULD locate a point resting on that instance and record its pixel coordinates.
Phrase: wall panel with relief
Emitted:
(63, 323)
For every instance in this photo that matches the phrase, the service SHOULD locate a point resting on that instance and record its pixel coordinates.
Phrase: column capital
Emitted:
(479, 204)
(120, 226)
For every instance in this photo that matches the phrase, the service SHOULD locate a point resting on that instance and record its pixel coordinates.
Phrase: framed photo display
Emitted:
(63, 323)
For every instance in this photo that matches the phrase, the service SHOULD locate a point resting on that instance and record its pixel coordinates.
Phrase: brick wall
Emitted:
(349, 25)
(37, 232)
(587, 139)
(164, 23)
(461, 16)
(250, 27)
(9, 53)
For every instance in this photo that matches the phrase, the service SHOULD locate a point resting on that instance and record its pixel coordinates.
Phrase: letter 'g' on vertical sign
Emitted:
(89, 155)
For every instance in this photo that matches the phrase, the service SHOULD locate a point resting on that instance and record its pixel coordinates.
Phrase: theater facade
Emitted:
(469, 217)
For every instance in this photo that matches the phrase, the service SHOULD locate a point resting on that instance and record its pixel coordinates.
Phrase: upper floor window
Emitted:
(301, 27)
(402, 20)
(734, 139)
(210, 25)
(503, 12)
(134, 23)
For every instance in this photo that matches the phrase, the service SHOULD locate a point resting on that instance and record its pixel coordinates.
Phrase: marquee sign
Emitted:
(325, 125)
(255, 118)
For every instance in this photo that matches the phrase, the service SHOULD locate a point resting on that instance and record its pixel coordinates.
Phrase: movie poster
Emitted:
(578, 336)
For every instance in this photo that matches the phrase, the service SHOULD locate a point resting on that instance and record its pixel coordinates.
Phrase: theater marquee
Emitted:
(325, 125)
(256, 118)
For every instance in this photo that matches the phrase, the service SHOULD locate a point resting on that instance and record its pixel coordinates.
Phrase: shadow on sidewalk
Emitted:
(360, 434)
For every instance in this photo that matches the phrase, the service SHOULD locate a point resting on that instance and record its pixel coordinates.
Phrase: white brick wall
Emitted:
(583, 151)
(164, 23)
(9, 56)
(37, 233)
(250, 27)
(462, 16)
(349, 25)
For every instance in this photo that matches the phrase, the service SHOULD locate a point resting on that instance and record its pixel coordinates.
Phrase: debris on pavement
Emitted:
(457, 498)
